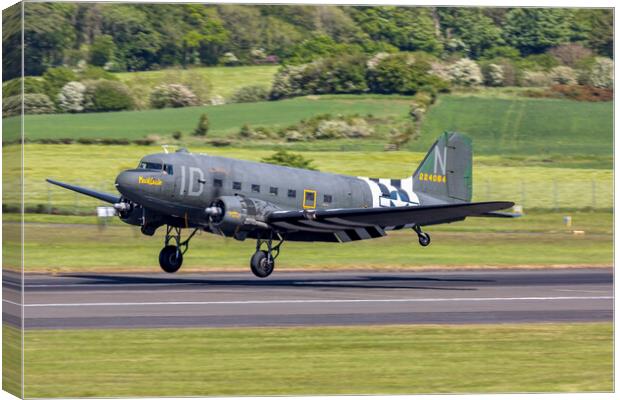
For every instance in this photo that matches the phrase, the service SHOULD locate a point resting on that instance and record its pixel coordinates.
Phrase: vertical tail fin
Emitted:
(446, 170)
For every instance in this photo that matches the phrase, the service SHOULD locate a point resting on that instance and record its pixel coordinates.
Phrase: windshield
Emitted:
(149, 165)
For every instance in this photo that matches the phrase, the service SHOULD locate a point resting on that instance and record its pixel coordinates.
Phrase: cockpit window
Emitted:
(168, 169)
(149, 165)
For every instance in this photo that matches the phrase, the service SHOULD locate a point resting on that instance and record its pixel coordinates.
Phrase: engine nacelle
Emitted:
(239, 215)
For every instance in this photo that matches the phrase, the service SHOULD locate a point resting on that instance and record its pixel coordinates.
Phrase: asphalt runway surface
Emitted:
(83, 300)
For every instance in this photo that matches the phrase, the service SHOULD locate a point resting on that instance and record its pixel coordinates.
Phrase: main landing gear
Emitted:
(171, 256)
(423, 237)
(263, 261)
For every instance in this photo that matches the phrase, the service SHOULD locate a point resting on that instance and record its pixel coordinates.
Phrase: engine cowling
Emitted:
(237, 216)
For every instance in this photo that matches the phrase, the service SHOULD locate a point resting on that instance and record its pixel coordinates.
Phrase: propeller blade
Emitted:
(108, 198)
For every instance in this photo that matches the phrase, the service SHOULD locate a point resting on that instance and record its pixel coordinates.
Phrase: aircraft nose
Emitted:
(125, 182)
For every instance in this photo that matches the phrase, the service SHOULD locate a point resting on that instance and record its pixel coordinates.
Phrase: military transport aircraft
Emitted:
(273, 204)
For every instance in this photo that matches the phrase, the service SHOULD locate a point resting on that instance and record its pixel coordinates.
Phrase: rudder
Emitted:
(446, 170)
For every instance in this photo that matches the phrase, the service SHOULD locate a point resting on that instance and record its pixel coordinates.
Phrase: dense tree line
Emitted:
(130, 37)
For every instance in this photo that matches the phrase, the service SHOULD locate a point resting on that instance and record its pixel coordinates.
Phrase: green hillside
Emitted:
(517, 126)
(524, 126)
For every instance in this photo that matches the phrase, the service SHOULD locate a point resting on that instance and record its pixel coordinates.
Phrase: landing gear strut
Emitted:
(171, 256)
(263, 261)
(423, 237)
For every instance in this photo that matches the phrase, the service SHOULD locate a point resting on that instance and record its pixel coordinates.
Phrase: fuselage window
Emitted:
(217, 183)
(273, 191)
(236, 185)
(149, 165)
(292, 193)
(327, 198)
(256, 188)
(168, 169)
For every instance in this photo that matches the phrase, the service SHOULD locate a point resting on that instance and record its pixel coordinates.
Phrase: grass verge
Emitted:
(326, 360)
(11, 360)
(52, 245)
(529, 182)
(498, 126)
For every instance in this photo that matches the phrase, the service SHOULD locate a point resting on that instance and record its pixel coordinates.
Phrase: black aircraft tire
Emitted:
(424, 239)
(260, 265)
(169, 260)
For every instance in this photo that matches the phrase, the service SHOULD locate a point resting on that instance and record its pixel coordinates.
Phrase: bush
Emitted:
(31, 85)
(250, 94)
(539, 62)
(229, 59)
(405, 74)
(33, 104)
(71, 97)
(570, 54)
(563, 75)
(103, 95)
(346, 74)
(493, 74)
(94, 73)
(465, 72)
(282, 157)
(331, 129)
(203, 125)
(173, 95)
(536, 79)
(582, 93)
(56, 78)
(600, 73)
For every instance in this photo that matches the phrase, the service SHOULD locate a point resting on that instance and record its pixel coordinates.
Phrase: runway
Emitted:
(238, 299)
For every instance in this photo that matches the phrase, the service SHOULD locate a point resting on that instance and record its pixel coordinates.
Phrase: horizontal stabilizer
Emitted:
(108, 198)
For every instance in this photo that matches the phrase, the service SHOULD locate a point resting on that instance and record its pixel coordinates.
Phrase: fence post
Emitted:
(593, 194)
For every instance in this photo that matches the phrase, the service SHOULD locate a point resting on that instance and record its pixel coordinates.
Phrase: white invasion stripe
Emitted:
(362, 233)
(310, 301)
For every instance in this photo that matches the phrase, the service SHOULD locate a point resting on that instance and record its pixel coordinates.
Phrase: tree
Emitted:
(408, 28)
(203, 125)
(48, 31)
(534, 30)
(402, 73)
(56, 78)
(283, 157)
(102, 50)
(472, 27)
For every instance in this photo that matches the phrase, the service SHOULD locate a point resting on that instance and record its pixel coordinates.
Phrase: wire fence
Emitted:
(549, 195)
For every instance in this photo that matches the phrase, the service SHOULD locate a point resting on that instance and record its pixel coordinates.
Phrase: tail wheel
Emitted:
(261, 264)
(170, 259)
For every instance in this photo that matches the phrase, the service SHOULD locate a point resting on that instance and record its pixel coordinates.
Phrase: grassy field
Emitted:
(531, 182)
(498, 126)
(11, 360)
(524, 126)
(221, 81)
(225, 120)
(330, 360)
(76, 244)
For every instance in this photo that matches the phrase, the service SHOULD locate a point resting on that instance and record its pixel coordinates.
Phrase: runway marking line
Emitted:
(309, 301)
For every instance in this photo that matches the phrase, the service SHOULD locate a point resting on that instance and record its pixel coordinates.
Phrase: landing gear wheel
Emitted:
(261, 264)
(170, 259)
(424, 239)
